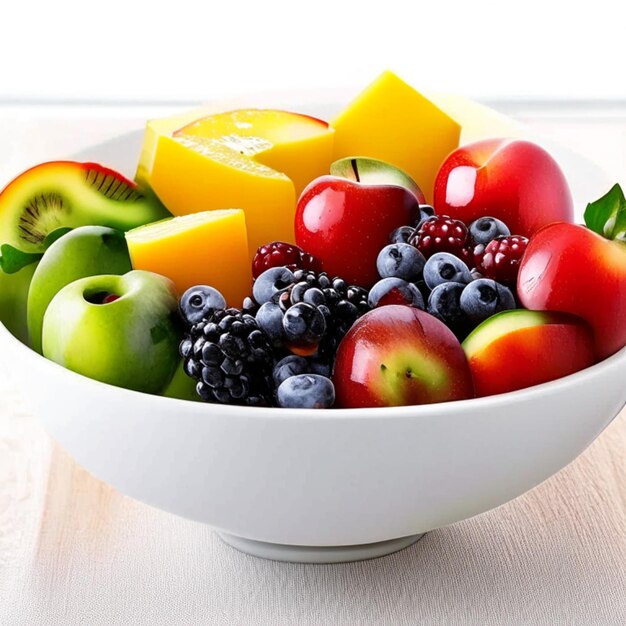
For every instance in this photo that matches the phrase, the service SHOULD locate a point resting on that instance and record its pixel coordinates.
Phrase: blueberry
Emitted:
(444, 267)
(424, 289)
(400, 260)
(486, 229)
(271, 282)
(444, 303)
(304, 324)
(484, 297)
(199, 302)
(319, 367)
(401, 234)
(426, 212)
(395, 291)
(306, 391)
(270, 320)
(291, 365)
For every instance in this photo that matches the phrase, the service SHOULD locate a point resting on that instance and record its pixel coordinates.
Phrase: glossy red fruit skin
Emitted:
(345, 224)
(500, 259)
(516, 181)
(532, 356)
(400, 335)
(569, 268)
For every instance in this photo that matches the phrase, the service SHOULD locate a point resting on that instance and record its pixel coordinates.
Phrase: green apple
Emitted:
(13, 297)
(84, 251)
(121, 330)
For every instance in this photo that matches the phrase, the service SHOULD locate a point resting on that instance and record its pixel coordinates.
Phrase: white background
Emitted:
(181, 50)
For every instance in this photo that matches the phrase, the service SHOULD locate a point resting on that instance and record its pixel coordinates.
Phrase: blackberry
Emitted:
(230, 358)
(340, 304)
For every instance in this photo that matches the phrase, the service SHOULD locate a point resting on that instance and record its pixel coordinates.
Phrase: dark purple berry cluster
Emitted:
(438, 266)
(279, 349)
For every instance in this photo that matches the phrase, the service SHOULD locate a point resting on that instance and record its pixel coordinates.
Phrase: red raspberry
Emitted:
(279, 253)
(500, 258)
(467, 256)
(441, 234)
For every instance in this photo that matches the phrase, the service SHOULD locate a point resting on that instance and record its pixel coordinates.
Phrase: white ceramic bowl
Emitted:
(322, 486)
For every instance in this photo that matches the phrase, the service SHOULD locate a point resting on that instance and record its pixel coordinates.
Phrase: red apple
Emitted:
(517, 349)
(398, 355)
(345, 222)
(516, 181)
(569, 268)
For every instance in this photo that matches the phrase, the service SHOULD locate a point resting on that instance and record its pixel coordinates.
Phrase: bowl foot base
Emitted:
(318, 554)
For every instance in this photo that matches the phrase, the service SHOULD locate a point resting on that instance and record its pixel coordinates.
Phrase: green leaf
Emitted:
(13, 260)
(52, 236)
(607, 215)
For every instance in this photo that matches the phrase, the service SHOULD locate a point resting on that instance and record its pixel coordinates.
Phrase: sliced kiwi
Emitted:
(42, 214)
(111, 185)
(67, 194)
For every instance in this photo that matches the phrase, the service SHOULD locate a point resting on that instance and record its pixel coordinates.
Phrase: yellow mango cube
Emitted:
(209, 248)
(391, 121)
(164, 126)
(259, 160)
(476, 120)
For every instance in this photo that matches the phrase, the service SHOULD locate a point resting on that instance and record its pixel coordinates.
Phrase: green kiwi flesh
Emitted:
(67, 194)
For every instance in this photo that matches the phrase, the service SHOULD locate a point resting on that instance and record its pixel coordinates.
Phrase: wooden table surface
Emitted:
(74, 551)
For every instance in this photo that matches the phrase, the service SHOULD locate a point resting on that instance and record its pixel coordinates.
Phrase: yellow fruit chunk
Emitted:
(208, 248)
(391, 121)
(297, 145)
(476, 120)
(155, 128)
(259, 160)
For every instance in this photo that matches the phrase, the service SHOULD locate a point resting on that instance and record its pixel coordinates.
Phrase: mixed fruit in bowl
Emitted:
(268, 258)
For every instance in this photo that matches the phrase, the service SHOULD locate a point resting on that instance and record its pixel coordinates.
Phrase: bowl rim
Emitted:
(413, 411)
